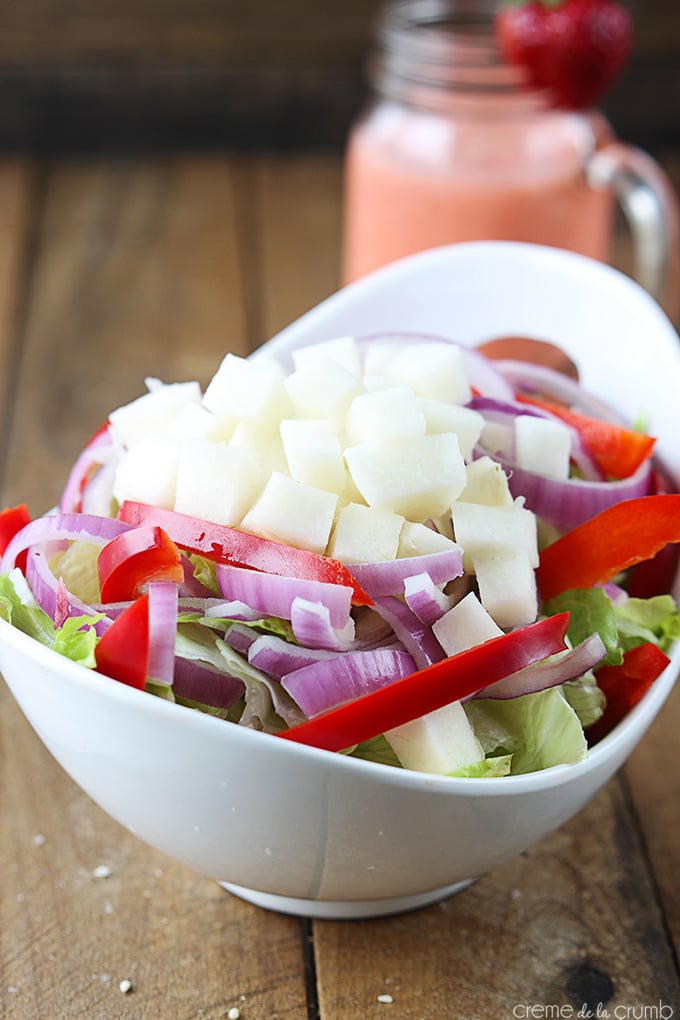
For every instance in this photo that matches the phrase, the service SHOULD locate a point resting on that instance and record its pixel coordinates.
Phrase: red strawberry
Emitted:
(573, 48)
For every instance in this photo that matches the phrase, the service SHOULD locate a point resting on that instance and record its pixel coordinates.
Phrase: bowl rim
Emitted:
(628, 731)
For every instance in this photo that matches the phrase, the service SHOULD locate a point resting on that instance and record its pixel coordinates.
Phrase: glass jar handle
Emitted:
(649, 204)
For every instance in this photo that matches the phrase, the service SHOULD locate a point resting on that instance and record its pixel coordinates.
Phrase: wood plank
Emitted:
(138, 274)
(137, 271)
(298, 231)
(68, 938)
(570, 924)
(18, 187)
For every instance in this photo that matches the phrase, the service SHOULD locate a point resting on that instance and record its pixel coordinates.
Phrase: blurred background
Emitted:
(77, 75)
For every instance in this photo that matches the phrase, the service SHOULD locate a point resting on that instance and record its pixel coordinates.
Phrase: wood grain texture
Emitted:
(137, 273)
(570, 924)
(68, 938)
(76, 74)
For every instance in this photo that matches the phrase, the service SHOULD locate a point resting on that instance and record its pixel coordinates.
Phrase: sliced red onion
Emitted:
(312, 626)
(194, 681)
(52, 596)
(416, 637)
(240, 638)
(89, 461)
(387, 577)
(322, 685)
(540, 380)
(568, 502)
(425, 599)
(97, 494)
(548, 672)
(274, 595)
(277, 657)
(163, 603)
(233, 609)
(60, 527)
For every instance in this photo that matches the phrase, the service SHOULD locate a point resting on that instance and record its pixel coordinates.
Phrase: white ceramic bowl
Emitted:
(305, 831)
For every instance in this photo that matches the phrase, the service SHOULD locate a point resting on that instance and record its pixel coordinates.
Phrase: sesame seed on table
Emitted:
(114, 270)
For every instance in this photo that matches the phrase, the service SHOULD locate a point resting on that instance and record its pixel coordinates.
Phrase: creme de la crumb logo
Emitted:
(547, 1011)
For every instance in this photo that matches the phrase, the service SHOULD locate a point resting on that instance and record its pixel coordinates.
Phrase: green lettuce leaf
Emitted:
(539, 730)
(591, 611)
(501, 765)
(655, 619)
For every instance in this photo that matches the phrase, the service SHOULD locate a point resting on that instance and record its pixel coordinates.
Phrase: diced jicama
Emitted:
(321, 390)
(542, 446)
(486, 529)
(418, 539)
(363, 534)
(382, 415)
(148, 472)
(293, 513)
(418, 477)
(217, 482)
(487, 483)
(438, 743)
(507, 585)
(342, 350)
(464, 625)
(441, 416)
(252, 389)
(432, 369)
(265, 448)
(313, 453)
(155, 411)
(197, 422)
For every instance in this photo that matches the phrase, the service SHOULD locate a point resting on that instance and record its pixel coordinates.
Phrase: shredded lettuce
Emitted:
(75, 639)
(500, 765)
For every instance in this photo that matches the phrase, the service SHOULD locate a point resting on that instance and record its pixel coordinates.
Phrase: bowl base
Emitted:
(344, 909)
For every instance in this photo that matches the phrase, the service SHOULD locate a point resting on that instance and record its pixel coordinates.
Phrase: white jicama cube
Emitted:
(215, 481)
(542, 446)
(498, 438)
(487, 483)
(419, 539)
(265, 448)
(247, 388)
(465, 625)
(313, 453)
(291, 512)
(196, 422)
(432, 369)
(147, 473)
(382, 415)
(322, 389)
(343, 350)
(439, 742)
(418, 477)
(480, 529)
(441, 416)
(378, 357)
(155, 411)
(507, 586)
(363, 534)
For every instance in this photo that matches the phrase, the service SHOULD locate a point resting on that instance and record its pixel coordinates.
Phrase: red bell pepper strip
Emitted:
(12, 520)
(122, 652)
(625, 685)
(130, 561)
(597, 550)
(426, 690)
(618, 451)
(229, 545)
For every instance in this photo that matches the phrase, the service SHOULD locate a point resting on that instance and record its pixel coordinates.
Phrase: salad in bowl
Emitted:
(368, 583)
(398, 549)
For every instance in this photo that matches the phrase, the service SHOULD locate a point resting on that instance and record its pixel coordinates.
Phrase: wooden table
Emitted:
(112, 270)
